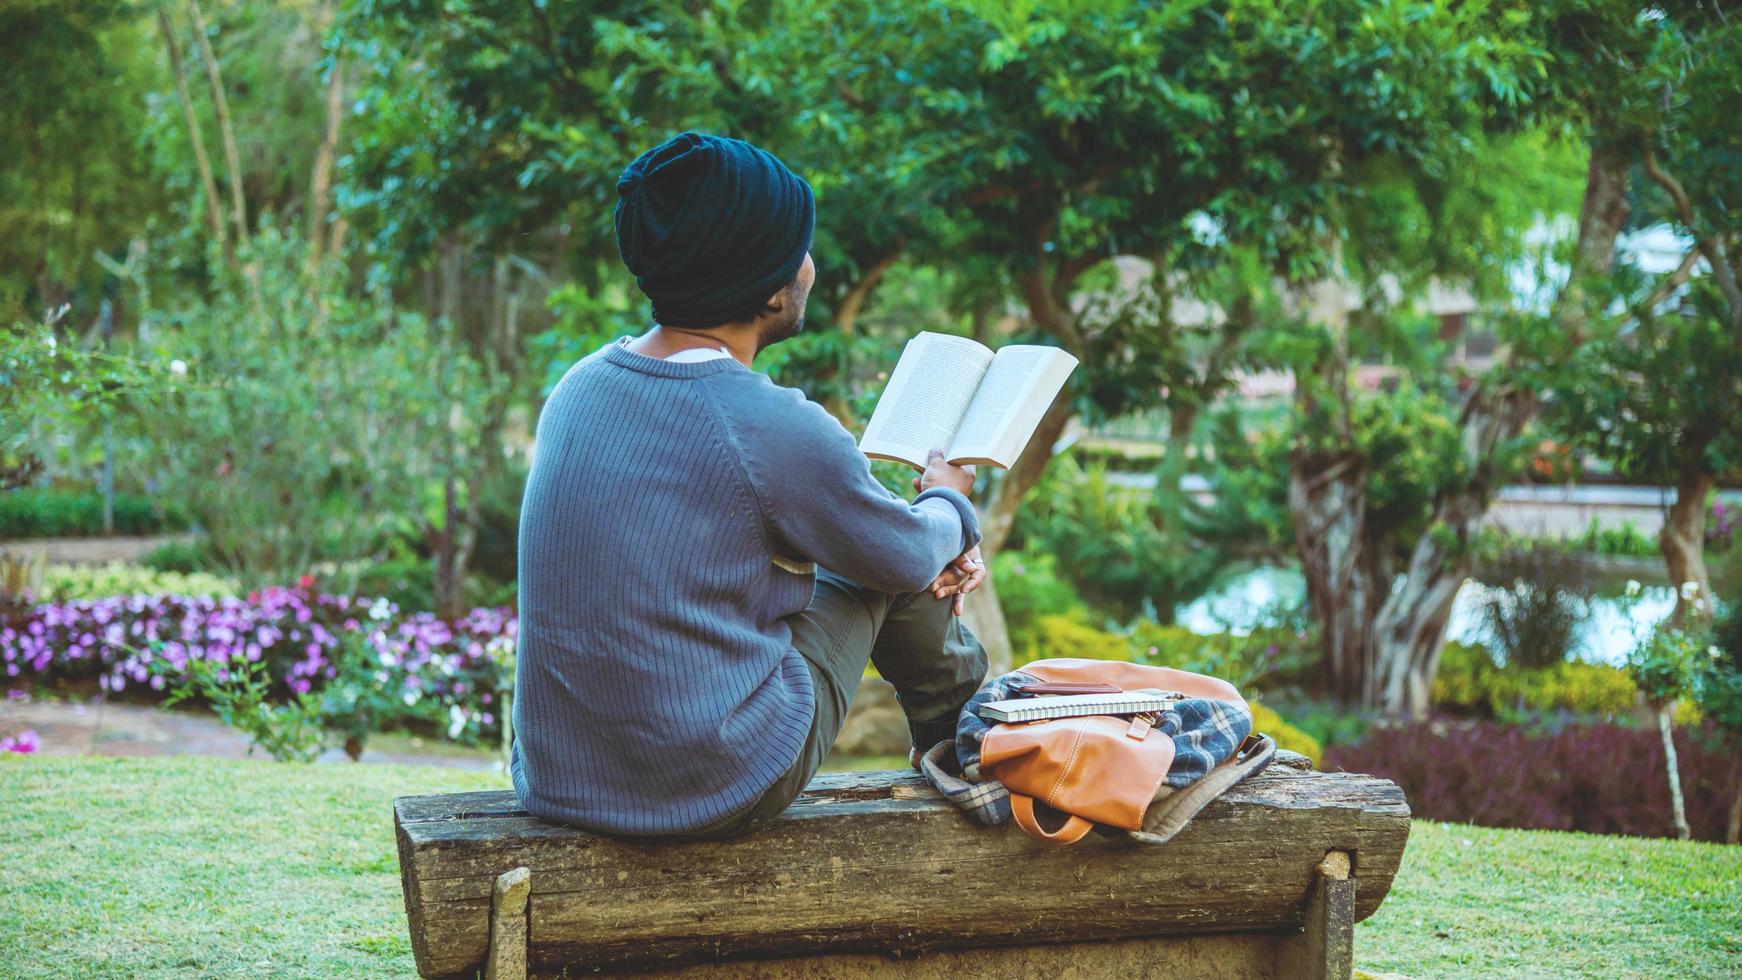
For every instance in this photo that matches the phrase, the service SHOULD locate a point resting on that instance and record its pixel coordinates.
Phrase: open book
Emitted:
(957, 395)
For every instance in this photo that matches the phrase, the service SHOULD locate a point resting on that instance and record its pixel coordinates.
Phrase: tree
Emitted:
(74, 179)
(1621, 86)
(1663, 402)
(1660, 396)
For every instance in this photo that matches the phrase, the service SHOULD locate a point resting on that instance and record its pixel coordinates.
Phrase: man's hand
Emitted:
(960, 577)
(940, 473)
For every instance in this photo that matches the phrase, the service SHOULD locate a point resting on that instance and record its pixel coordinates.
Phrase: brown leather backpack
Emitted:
(1116, 769)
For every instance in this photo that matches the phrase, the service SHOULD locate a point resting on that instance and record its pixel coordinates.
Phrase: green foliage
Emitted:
(47, 380)
(1624, 541)
(1469, 681)
(1055, 635)
(65, 583)
(1407, 439)
(306, 418)
(1249, 470)
(363, 699)
(1718, 687)
(1030, 587)
(1662, 397)
(288, 730)
(1123, 551)
(1264, 659)
(1664, 664)
(79, 74)
(1287, 736)
(54, 512)
(178, 555)
(1534, 615)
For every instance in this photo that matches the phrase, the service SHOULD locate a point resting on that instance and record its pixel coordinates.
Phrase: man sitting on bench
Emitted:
(706, 562)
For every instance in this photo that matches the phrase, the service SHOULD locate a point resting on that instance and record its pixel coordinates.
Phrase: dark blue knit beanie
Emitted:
(711, 227)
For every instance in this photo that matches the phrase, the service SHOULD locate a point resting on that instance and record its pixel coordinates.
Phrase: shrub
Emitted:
(1599, 778)
(1287, 736)
(1625, 541)
(178, 556)
(1261, 660)
(1533, 621)
(1470, 682)
(1029, 586)
(53, 512)
(1067, 635)
(64, 583)
(1128, 552)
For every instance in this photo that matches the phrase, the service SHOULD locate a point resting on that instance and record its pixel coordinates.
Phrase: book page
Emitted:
(926, 398)
(1017, 390)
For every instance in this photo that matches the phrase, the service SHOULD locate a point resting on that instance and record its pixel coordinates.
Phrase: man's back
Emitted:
(666, 532)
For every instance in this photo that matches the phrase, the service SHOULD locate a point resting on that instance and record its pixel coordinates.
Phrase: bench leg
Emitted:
(508, 926)
(1325, 950)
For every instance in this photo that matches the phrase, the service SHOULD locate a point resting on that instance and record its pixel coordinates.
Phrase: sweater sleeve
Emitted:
(820, 502)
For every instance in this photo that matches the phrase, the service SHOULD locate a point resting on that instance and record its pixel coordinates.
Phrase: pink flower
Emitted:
(24, 743)
(305, 581)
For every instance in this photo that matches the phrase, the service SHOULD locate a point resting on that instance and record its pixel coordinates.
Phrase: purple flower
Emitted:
(24, 743)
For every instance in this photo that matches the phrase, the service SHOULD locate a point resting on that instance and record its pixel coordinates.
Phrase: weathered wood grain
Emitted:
(878, 863)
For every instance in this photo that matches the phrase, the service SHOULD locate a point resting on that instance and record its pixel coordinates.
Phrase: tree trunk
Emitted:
(232, 160)
(1411, 625)
(997, 517)
(321, 179)
(1327, 506)
(214, 207)
(1733, 830)
(1683, 542)
(847, 317)
(1675, 778)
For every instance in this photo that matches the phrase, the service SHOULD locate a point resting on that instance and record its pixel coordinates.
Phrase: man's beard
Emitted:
(776, 332)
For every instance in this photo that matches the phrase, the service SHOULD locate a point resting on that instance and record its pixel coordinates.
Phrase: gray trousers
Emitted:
(926, 653)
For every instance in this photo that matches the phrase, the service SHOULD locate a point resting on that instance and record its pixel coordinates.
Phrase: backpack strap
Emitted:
(1073, 830)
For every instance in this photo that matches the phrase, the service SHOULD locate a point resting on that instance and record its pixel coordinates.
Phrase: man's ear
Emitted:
(776, 304)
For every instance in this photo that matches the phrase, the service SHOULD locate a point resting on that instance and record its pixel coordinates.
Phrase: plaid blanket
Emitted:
(1204, 731)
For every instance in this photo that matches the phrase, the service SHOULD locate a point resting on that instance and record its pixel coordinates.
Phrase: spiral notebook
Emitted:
(1072, 705)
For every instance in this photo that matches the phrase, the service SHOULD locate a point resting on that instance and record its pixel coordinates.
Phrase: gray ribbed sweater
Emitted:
(671, 519)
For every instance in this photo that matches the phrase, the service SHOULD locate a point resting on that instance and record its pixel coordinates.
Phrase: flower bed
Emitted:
(444, 675)
(1598, 778)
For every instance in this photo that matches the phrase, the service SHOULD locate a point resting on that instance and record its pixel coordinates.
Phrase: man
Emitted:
(706, 563)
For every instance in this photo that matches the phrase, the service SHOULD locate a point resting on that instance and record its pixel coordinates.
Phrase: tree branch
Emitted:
(848, 315)
(1712, 245)
(1674, 280)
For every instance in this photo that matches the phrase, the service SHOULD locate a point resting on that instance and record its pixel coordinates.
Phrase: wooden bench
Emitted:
(873, 873)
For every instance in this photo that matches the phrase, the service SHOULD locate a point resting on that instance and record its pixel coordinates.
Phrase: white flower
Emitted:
(48, 339)
(1714, 652)
(379, 610)
(1689, 590)
(456, 721)
(178, 367)
(409, 697)
(1632, 588)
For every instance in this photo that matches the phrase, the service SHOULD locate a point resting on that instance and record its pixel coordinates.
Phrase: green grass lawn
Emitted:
(203, 867)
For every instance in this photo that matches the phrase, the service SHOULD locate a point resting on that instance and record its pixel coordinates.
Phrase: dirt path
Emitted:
(88, 551)
(66, 728)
